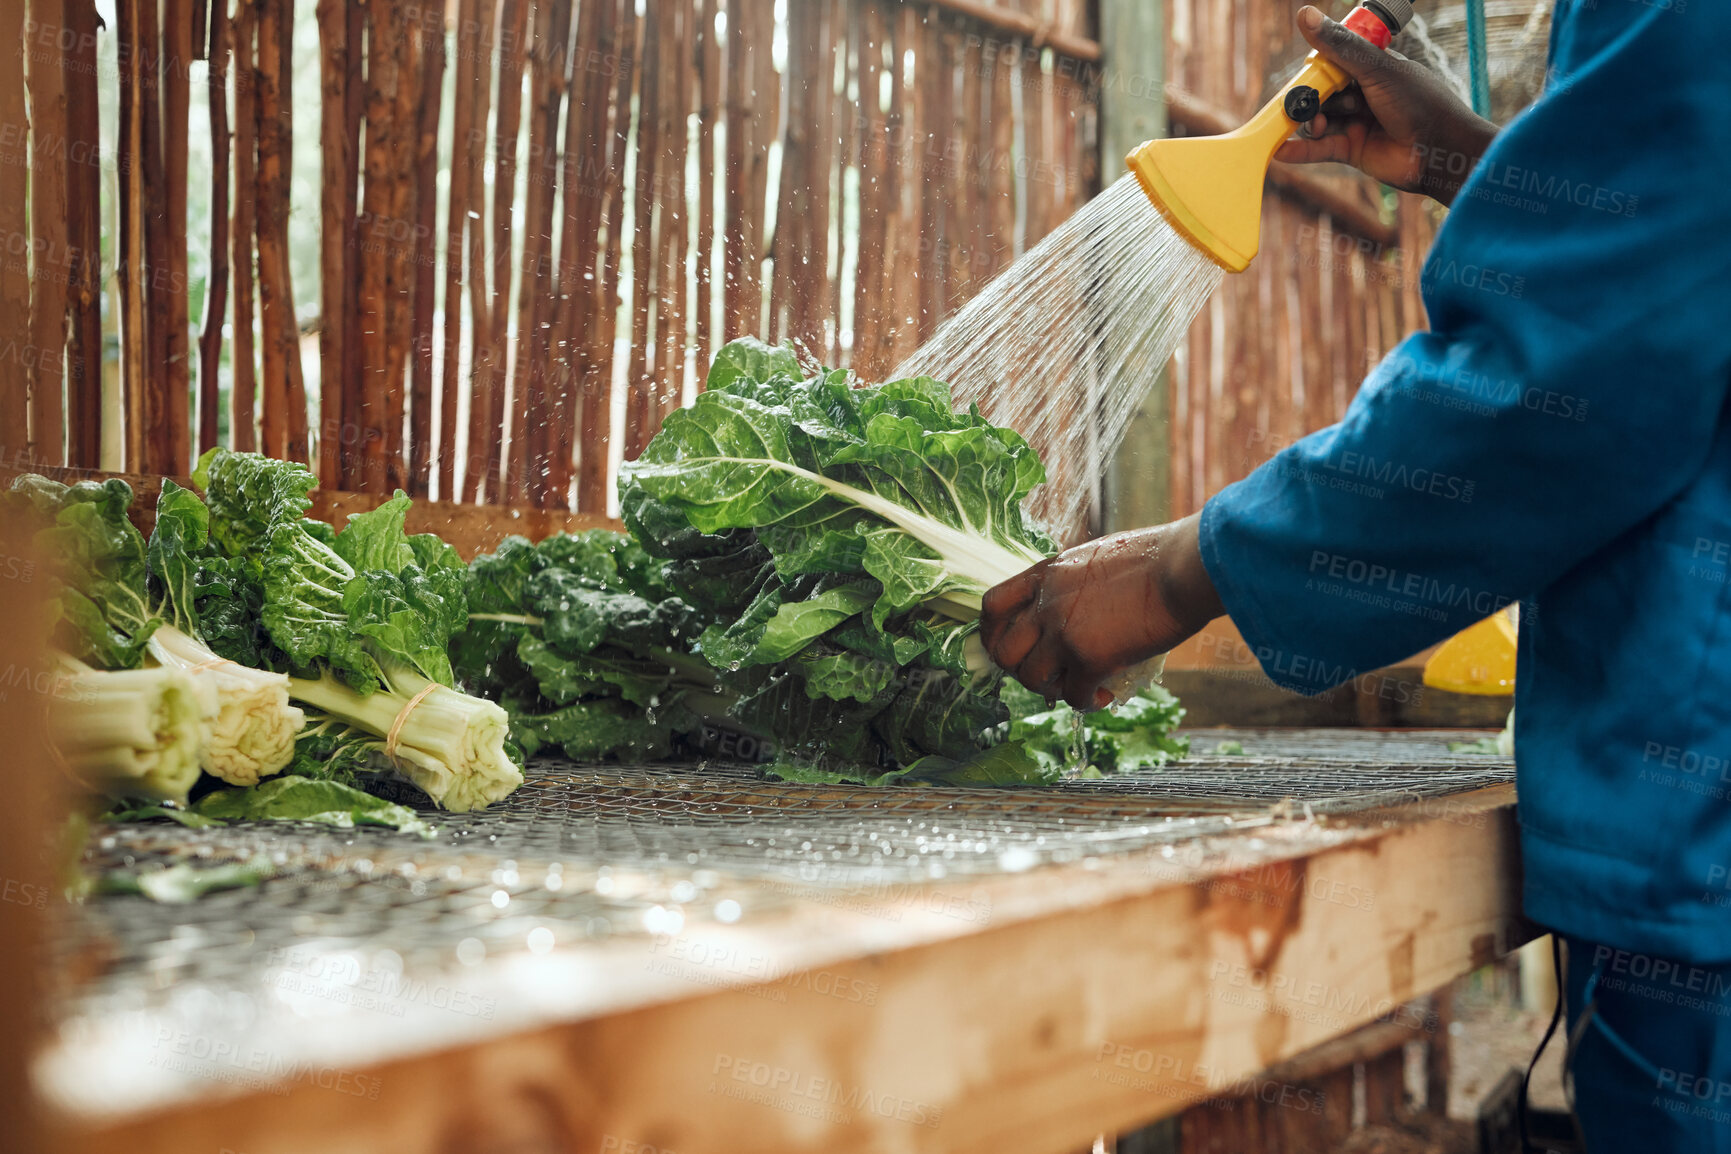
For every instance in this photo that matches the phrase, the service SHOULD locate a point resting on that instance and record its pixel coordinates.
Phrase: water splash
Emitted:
(1063, 345)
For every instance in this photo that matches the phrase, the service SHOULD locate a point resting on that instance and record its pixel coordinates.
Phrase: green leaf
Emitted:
(293, 798)
(146, 812)
(752, 360)
(375, 539)
(183, 883)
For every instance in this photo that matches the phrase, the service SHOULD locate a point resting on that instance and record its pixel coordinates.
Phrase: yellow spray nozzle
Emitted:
(1210, 187)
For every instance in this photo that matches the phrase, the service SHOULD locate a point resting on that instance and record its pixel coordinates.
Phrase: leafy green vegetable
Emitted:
(1136, 734)
(183, 883)
(122, 601)
(291, 798)
(839, 539)
(582, 640)
(362, 619)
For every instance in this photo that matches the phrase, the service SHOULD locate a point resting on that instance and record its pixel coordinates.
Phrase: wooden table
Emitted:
(1015, 1012)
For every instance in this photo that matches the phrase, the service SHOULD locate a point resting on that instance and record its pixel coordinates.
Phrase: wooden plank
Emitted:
(513, 28)
(933, 78)
(469, 43)
(373, 256)
(740, 269)
(49, 272)
(157, 403)
(429, 34)
(337, 258)
(83, 238)
(584, 177)
(1048, 1006)
(353, 368)
(708, 60)
(639, 379)
(867, 28)
(242, 361)
(285, 408)
(15, 230)
(176, 100)
(481, 359)
(531, 442)
(210, 340)
(672, 219)
(592, 482)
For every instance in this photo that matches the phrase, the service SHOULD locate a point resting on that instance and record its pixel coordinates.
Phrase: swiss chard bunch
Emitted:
(164, 605)
(841, 539)
(362, 621)
(582, 640)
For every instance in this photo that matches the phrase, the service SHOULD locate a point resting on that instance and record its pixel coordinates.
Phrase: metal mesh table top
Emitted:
(583, 852)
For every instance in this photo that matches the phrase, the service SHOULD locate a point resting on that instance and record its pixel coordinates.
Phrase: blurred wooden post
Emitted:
(50, 271)
(28, 823)
(14, 232)
(1133, 109)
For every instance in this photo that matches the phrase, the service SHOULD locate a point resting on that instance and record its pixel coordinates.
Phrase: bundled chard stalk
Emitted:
(123, 603)
(131, 733)
(361, 621)
(841, 539)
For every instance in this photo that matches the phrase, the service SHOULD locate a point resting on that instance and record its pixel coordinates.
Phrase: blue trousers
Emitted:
(1650, 1052)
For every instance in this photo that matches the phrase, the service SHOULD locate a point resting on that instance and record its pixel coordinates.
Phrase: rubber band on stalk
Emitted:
(211, 664)
(403, 716)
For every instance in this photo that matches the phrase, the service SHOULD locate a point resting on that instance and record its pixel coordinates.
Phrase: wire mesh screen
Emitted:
(583, 852)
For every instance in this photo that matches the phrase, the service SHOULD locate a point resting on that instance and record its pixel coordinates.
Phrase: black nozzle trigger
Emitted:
(1302, 103)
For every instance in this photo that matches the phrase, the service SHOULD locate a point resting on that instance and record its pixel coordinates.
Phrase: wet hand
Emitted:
(1396, 120)
(1066, 625)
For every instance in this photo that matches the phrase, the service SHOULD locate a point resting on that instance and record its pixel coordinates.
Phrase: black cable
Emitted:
(1527, 1146)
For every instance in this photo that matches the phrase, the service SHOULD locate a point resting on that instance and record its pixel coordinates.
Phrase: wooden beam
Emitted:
(1007, 1013)
(470, 529)
(1332, 195)
(1041, 33)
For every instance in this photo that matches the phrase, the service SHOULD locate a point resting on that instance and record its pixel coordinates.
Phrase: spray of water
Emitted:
(1063, 345)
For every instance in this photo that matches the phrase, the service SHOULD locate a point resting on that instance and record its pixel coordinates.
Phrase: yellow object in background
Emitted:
(1479, 659)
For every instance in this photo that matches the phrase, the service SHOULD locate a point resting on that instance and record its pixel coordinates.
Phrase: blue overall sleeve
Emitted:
(1570, 385)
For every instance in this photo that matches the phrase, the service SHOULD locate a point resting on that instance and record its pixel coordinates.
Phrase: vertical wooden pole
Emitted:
(336, 203)
(474, 153)
(469, 44)
(50, 271)
(429, 35)
(708, 60)
(216, 286)
(584, 173)
(285, 411)
(672, 232)
(868, 312)
(640, 381)
(83, 239)
(352, 371)
(380, 215)
(513, 25)
(592, 490)
(14, 231)
(738, 116)
(243, 70)
(176, 101)
(1139, 480)
(527, 479)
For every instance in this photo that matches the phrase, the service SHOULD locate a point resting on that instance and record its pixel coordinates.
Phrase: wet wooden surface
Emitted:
(1007, 1013)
